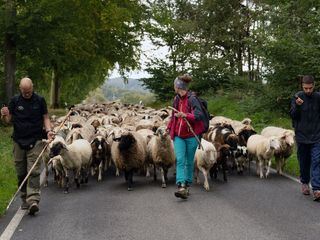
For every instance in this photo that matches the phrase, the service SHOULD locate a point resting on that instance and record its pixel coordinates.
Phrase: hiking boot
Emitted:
(24, 205)
(181, 193)
(188, 189)
(33, 208)
(316, 195)
(305, 189)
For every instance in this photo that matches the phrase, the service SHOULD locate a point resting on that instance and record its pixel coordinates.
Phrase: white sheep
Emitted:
(161, 153)
(204, 160)
(286, 138)
(129, 152)
(262, 148)
(76, 157)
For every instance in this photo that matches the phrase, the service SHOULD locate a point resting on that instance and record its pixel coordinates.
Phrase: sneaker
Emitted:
(305, 189)
(33, 208)
(316, 195)
(181, 193)
(24, 205)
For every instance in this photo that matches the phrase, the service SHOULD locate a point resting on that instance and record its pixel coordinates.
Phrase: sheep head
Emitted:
(57, 148)
(274, 143)
(126, 141)
(161, 132)
(288, 137)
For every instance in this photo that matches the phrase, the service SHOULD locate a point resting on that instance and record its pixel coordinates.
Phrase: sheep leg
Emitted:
(66, 182)
(76, 177)
(92, 170)
(148, 171)
(165, 169)
(164, 185)
(224, 171)
(260, 162)
(126, 175)
(130, 180)
(268, 168)
(46, 175)
(117, 172)
(100, 171)
(87, 172)
(205, 175)
(196, 174)
(155, 172)
(281, 165)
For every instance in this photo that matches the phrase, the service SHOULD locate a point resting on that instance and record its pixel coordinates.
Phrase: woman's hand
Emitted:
(180, 115)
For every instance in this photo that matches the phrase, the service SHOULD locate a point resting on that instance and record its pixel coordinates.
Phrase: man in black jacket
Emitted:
(29, 115)
(305, 114)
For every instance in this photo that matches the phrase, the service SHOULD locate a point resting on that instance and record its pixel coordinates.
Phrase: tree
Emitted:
(9, 48)
(60, 43)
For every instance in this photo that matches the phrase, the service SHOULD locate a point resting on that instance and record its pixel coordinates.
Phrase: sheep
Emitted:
(86, 132)
(262, 148)
(57, 169)
(160, 151)
(204, 160)
(101, 155)
(76, 156)
(286, 138)
(223, 154)
(129, 152)
(241, 157)
(60, 136)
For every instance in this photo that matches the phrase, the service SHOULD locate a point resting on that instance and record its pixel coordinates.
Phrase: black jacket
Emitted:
(27, 118)
(306, 118)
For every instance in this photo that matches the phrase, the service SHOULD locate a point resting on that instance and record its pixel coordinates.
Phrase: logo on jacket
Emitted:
(20, 108)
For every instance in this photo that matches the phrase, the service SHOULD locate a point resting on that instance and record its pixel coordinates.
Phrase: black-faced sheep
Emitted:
(224, 153)
(76, 157)
(129, 152)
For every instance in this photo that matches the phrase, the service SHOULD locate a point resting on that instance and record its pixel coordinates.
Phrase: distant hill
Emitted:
(132, 92)
(132, 85)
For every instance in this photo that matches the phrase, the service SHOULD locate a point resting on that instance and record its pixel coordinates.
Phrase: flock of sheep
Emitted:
(133, 138)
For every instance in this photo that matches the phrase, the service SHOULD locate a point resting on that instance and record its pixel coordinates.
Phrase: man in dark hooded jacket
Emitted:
(305, 114)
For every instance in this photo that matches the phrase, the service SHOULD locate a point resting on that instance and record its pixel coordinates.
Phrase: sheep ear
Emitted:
(112, 132)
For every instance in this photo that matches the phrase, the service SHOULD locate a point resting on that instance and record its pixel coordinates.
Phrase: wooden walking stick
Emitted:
(36, 162)
(191, 129)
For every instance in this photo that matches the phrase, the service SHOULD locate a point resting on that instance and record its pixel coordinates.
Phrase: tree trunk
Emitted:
(239, 60)
(55, 88)
(9, 50)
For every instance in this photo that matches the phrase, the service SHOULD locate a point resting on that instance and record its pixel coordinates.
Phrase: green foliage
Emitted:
(77, 41)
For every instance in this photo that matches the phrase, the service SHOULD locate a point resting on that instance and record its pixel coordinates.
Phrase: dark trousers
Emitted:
(309, 161)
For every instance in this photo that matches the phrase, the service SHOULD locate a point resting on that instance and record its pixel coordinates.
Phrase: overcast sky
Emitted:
(148, 51)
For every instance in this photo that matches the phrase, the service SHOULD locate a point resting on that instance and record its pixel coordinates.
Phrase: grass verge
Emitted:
(8, 179)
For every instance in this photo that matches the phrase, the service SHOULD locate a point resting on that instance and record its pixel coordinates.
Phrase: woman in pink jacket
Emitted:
(185, 143)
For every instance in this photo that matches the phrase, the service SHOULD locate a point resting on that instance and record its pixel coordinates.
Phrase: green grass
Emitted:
(8, 179)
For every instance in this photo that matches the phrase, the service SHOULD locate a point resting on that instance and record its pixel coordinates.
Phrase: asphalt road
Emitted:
(245, 207)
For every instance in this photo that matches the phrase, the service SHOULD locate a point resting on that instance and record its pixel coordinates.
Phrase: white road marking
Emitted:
(15, 221)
